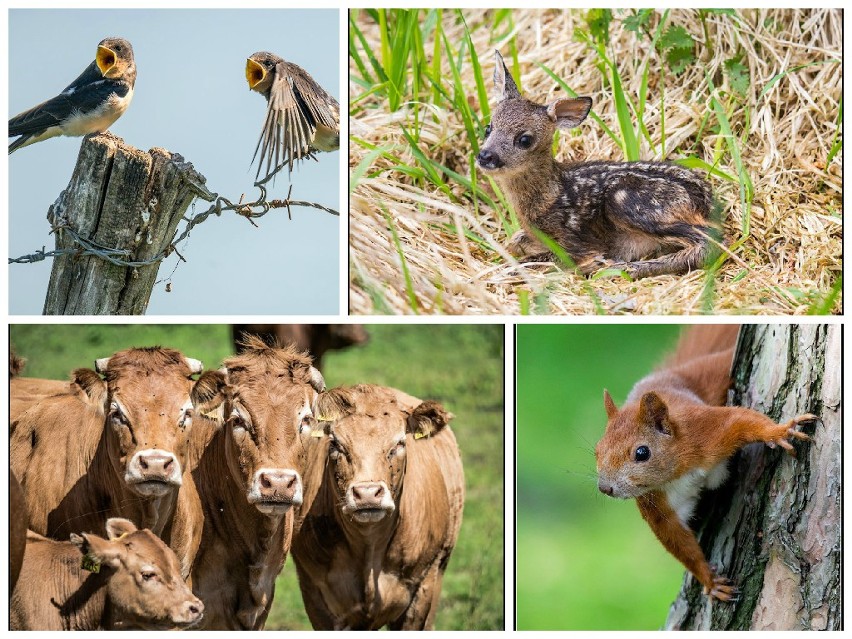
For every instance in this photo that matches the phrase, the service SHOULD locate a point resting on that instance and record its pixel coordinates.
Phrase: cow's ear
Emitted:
(90, 388)
(80, 542)
(117, 527)
(98, 552)
(333, 405)
(208, 394)
(427, 419)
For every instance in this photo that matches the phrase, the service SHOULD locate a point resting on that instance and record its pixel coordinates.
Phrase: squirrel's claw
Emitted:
(722, 589)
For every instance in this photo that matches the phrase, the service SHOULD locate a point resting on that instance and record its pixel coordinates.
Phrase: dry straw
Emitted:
(454, 256)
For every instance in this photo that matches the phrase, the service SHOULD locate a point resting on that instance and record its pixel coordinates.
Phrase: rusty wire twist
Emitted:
(220, 205)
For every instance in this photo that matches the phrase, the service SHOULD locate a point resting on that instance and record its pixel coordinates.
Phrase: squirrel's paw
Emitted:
(722, 589)
(790, 429)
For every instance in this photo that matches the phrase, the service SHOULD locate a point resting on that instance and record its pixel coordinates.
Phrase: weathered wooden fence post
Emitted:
(118, 198)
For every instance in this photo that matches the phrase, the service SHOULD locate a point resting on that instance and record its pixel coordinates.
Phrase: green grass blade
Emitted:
(563, 257)
(406, 274)
(746, 186)
(825, 306)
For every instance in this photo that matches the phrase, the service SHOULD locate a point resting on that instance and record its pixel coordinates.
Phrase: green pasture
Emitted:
(584, 561)
(461, 366)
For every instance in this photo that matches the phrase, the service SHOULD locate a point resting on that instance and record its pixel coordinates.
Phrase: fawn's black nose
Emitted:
(488, 159)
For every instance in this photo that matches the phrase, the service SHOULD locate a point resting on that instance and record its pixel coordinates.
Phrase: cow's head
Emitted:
(143, 576)
(269, 423)
(372, 431)
(148, 397)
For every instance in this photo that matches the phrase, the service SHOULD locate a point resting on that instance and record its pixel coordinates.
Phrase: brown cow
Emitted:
(17, 530)
(115, 447)
(316, 339)
(25, 391)
(131, 579)
(251, 478)
(373, 548)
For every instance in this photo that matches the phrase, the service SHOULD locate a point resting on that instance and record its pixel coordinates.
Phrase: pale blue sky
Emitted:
(191, 98)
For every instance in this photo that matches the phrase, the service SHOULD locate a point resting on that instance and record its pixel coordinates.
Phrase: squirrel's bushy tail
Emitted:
(703, 339)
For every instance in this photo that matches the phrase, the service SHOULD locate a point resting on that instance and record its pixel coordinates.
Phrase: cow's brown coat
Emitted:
(71, 450)
(380, 571)
(138, 583)
(268, 424)
(17, 530)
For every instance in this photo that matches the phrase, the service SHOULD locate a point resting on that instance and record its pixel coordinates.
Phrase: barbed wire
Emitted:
(250, 210)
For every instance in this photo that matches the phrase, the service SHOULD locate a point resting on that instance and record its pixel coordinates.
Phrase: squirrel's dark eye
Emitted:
(643, 453)
(487, 129)
(525, 141)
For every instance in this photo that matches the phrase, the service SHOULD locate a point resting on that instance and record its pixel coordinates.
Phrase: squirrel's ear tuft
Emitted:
(653, 411)
(609, 405)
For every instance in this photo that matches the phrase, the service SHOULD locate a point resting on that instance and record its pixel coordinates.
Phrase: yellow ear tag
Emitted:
(90, 563)
(419, 435)
(213, 413)
(317, 433)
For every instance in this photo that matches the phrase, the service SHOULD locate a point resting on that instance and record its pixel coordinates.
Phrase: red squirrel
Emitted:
(673, 438)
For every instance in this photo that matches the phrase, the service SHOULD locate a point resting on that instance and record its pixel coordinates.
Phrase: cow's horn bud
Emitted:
(195, 366)
(317, 380)
(102, 364)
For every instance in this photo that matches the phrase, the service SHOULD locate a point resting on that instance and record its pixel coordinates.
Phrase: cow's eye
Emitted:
(307, 424)
(238, 424)
(334, 449)
(117, 416)
(398, 450)
(186, 419)
(148, 575)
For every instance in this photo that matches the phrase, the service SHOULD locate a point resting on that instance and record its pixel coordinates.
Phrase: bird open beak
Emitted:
(105, 59)
(255, 73)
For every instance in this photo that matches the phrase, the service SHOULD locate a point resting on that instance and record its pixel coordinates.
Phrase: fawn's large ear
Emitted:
(569, 112)
(504, 83)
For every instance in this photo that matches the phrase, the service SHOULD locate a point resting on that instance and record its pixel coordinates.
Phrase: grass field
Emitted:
(461, 366)
(749, 98)
(584, 561)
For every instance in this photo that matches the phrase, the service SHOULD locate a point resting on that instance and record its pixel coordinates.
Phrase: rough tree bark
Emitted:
(775, 527)
(120, 198)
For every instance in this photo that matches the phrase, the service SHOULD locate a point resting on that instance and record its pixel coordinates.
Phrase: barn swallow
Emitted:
(301, 118)
(90, 104)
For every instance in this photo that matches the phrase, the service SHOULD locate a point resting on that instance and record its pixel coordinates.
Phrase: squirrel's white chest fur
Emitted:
(683, 492)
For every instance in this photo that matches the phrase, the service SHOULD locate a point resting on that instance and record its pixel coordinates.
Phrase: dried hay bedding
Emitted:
(791, 259)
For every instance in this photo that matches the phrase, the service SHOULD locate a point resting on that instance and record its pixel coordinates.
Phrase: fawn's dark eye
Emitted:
(643, 453)
(487, 129)
(525, 141)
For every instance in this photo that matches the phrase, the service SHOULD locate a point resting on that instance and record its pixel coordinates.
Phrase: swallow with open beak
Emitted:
(90, 104)
(301, 117)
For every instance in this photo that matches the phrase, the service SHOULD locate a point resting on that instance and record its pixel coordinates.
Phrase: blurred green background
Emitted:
(584, 561)
(461, 366)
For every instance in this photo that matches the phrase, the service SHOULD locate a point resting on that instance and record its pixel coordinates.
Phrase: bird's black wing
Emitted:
(89, 91)
(296, 104)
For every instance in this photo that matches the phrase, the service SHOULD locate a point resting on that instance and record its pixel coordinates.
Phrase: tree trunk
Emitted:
(774, 528)
(118, 198)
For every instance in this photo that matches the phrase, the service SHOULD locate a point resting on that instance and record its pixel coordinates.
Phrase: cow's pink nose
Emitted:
(156, 466)
(278, 484)
(368, 493)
